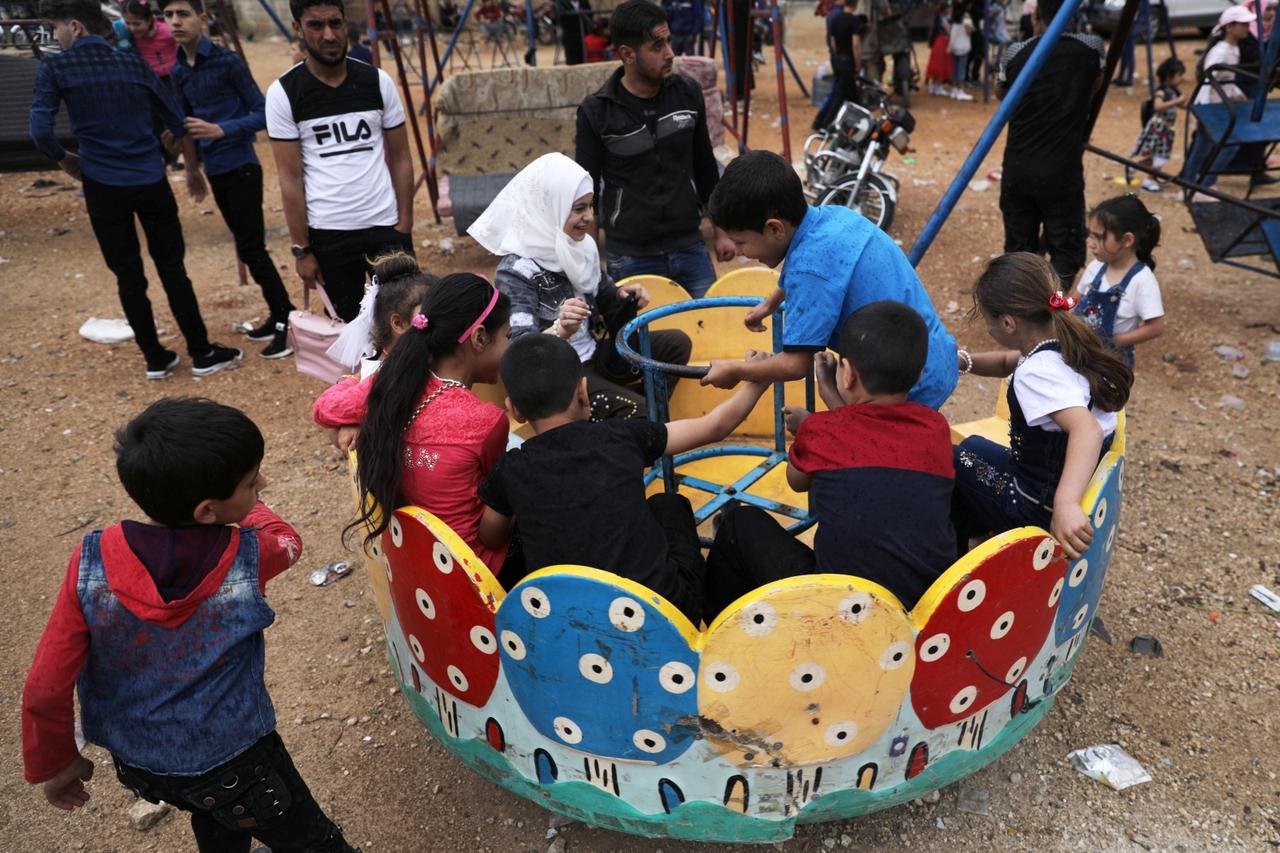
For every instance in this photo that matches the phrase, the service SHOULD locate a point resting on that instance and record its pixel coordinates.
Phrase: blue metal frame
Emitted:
(655, 392)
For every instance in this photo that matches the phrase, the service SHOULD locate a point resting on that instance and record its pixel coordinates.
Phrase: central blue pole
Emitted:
(988, 138)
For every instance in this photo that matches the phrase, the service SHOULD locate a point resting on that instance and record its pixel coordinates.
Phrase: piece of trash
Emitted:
(42, 183)
(246, 327)
(105, 331)
(1110, 765)
(1096, 627)
(922, 182)
(979, 186)
(953, 307)
(1215, 616)
(1231, 401)
(1239, 371)
(427, 244)
(1145, 644)
(1185, 264)
(4, 260)
(910, 161)
(326, 575)
(1266, 596)
(973, 800)
(1272, 352)
(446, 245)
(995, 175)
(58, 232)
(1229, 353)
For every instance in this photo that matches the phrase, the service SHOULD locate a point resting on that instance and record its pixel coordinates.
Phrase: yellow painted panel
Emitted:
(805, 670)
(375, 562)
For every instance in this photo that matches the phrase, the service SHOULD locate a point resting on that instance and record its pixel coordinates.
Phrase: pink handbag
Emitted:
(311, 335)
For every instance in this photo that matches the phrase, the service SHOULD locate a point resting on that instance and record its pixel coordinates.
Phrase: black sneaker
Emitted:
(162, 365)
(265, 332)
(279, 346)
(217, 358)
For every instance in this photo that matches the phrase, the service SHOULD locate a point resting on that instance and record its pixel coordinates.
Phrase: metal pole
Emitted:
(409, 111)
(372, 22)
(779, 391)
(783, 124)
(732, 89)
(531, 26)
(715, 25)
(1118, 41)
(433, 188)
(804, 90)
(988, 138)
(453, 41)
(284, 31)
(1146, 37)
(224, 21)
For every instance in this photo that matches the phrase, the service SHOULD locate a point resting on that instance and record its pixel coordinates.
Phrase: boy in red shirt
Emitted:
(159, 628)
(877, 468)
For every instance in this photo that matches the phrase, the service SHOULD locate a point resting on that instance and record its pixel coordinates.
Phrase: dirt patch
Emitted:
(1200, 526)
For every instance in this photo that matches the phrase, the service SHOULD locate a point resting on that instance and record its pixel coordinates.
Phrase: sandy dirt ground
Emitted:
(1200, 527)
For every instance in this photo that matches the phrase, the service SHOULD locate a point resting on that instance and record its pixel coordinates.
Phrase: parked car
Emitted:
(1104, 15)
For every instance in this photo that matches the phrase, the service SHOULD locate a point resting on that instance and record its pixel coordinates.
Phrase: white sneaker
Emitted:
(961, 95)
(1151, 186)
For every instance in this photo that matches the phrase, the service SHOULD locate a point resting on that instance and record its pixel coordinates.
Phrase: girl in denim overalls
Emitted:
(1118, 295)
(1065, 387)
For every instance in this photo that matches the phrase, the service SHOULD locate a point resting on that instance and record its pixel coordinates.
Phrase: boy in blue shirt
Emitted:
(837, 262)
(225, 110)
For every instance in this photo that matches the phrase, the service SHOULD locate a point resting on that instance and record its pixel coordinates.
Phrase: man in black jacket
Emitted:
(643, 137)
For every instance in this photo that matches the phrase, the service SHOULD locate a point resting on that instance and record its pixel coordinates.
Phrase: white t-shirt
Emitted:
(1221, 53)
(1044, 384)
(340, 131)
(1141, 301)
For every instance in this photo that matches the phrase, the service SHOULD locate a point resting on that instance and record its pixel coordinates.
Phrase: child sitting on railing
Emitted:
(577, 488)
(877, 468)
(1064, 392)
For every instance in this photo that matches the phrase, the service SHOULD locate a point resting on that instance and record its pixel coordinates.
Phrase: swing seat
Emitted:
(1231, 122)
(811, 699)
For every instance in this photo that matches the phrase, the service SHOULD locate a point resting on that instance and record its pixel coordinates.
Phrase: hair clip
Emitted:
(1059, 302)
(374, 281)
(419, 321)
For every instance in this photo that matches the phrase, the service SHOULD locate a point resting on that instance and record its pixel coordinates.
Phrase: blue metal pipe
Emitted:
(988, 138)
(453, 41)
(533, 31)
(266, 6)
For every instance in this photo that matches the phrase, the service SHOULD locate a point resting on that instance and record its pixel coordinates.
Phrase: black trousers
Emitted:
(111, 213)
(685, 565)
(750, 550)
(258, 794)
(573, 28)
(843, 88)
(616, 396)
(1029, 205)
(345, 256)
(239, 197)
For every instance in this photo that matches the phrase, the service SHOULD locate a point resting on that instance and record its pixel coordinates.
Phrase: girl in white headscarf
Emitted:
(541, 223)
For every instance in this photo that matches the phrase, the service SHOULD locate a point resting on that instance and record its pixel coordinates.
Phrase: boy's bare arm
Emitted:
(495, 528)
(798, 480)
(715, 425)
(780, 367)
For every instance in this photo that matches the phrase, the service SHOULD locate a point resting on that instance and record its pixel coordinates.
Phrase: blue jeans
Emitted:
(1201, 145)
(959, 63)
(690, 267)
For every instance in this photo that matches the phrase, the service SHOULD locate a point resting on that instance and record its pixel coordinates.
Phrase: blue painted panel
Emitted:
(1083, 585)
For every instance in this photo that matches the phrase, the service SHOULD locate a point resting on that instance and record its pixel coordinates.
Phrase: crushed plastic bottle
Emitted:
(1228, 352)
(1272, 352)
(326, 575)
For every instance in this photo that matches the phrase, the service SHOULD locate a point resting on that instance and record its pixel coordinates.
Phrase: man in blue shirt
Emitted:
(837, 262)
(225, 109)
(110, 98)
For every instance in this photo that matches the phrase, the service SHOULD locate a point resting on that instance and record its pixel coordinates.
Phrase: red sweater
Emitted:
(48, 716)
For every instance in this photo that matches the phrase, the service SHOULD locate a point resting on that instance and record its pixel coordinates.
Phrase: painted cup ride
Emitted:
(810, 699)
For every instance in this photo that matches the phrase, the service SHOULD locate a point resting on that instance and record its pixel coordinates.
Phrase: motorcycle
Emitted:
(844, 164)
(544, 20)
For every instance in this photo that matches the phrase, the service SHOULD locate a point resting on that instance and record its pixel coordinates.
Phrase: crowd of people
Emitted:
(883, 479)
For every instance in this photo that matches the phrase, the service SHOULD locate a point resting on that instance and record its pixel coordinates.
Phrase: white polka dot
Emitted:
(676, 677)
(963, 700)
(482, 639)
(425, 604)
(442, 558)
(934, 648)
(535, 602)
(1120, 477)
(595, 668)
(1078, 572)
(649, 741)
(759, 619)
(1043, 555)
(1080, 616)
(396, 531)
(513, 645)
(856, 607)
(807, 676)
(626, 614)
(1111, 538)
(567, 730)
(895, 655)
(1056, 592)
(841, 734)
(721, 677)
(457, 679)
(971, 595)
(387, 565)
(1100, 512)
(1002, 626)
(1015, 671)
(416, 647)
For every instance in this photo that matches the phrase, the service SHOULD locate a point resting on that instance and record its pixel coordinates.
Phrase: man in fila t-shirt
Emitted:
(330, 118)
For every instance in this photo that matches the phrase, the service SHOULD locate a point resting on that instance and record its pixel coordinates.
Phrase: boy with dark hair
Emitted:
(643, 137)
(878, 470)
(159, 628)
(111, 98)
(1043, 182)
(225, 110)
(837, 262)
(356, 50)
(576, 488)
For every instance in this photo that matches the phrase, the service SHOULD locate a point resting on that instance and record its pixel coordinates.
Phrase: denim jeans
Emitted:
(1201, 145)
(690, 267)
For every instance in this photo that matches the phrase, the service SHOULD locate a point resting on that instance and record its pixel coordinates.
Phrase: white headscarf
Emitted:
(527, 219)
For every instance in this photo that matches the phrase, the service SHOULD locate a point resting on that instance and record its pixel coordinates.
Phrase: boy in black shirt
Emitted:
(1043, 181)
(577, 487)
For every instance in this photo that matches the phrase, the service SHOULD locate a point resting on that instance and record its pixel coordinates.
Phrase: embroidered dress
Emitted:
(1156, 139)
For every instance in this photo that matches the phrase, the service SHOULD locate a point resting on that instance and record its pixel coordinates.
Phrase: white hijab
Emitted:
(527, 219)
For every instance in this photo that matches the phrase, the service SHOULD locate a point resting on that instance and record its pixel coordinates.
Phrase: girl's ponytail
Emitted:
(450, 309)
(1126, 214)
(1109, 376)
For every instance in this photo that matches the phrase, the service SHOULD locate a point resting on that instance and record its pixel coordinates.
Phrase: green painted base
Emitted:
(702, 821)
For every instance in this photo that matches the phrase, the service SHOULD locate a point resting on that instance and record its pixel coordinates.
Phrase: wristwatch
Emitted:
(300, 251)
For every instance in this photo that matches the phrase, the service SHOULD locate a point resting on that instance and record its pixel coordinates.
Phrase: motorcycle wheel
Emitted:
(874, 201)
